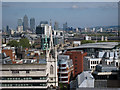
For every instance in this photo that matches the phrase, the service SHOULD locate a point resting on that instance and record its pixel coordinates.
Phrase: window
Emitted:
(14, 72)
(75, 57)
(91, 67)
(51, 69)
(91, 62)
(27, 71)
(51, 78)
(63, 65)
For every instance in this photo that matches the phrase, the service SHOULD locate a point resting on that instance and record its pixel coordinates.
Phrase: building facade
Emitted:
(65, 69)
(25, 23)
(77, 57)
(32, 24)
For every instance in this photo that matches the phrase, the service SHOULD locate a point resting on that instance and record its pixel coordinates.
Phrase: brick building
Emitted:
(77, 57)
(9, 52)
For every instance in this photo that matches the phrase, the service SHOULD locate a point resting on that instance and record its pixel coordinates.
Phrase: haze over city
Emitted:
(78, 14)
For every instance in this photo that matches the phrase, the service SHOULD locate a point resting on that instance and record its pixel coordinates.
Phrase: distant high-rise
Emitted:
(56, 26)
(20, 23)
(32, 24)
(43, 22)
(7, 28)
(65, 26)
(25, 23)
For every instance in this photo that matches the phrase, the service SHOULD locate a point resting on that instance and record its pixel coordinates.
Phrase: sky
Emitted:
(76, 14)
(60, 0)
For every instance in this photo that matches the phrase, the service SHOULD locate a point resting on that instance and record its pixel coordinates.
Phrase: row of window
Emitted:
(93, 67)
(18, 84)
(24, 78)
(25, 70)
(16, 71)
(94, 62)
(62, 65)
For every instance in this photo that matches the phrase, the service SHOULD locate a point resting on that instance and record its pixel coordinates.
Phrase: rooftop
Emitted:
(104, 45)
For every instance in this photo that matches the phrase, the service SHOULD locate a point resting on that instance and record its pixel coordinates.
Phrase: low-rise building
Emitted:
(83, 80)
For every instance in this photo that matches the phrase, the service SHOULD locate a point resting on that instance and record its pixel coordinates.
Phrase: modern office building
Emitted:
(65, 69)
(43, 22)
(32, 24)
(108, 57)
(20, 23)
(29, 75)
(25, 23)
(106, 76)
(65, 27)
(20, 29)
(90, 63)
(93, 48)
(77, 58)
(44, 30)
(56, 26)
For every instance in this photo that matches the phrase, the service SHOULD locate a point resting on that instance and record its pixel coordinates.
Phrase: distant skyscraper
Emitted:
(65, 26)
(20, 22)
(56, 26)
(25, 23)
(43, 22)
(7, 28)
(32, 24)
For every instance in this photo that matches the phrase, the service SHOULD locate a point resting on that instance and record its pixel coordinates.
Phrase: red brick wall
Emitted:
(9, 53)
(77, 58)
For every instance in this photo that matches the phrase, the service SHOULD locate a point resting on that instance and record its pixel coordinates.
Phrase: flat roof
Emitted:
(104, 45)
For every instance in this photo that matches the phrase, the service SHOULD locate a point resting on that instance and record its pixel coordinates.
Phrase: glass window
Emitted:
(51, 69)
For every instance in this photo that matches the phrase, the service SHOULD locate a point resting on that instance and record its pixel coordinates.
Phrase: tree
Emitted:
(87, 41)
(24, 42)
(13, 43)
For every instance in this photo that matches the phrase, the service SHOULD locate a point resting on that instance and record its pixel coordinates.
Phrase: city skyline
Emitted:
(75, 14)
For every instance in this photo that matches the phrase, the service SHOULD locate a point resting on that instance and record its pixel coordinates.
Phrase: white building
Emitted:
(87, 38)
(20, 29)
(47, 29)
(83, 80)
(107, 57)
(101, 29)
(92, 62)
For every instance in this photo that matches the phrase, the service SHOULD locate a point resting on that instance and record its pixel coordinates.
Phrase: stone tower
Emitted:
(51, 58)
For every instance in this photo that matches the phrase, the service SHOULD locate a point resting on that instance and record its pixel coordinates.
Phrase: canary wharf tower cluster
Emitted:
(60, 46)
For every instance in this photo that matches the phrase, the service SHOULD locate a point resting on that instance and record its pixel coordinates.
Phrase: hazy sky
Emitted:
(77, 14)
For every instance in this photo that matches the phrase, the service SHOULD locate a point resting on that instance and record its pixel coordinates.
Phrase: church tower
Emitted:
(51, 58)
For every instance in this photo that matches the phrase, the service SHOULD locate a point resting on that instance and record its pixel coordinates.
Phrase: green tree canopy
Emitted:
(87, 41)
(13, 43)
(24, 42)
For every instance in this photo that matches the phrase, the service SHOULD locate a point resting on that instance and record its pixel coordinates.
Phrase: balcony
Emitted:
(63, 76)
(62, 67)
(63, 81)
(63, 72)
